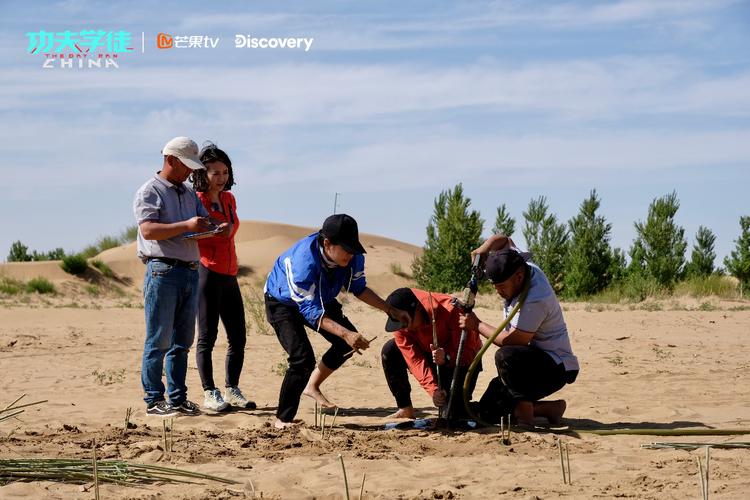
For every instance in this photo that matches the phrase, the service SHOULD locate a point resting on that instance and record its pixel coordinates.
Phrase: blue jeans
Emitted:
(170, 295)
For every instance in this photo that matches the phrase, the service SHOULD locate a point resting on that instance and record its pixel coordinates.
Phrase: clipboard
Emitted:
(202, 235)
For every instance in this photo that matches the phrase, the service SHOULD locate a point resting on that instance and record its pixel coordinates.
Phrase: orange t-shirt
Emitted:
(217, 252)
(415, 346)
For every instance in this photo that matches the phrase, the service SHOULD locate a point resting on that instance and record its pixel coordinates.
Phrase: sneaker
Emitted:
(234, 397)
(213, 400)
(161, 409)
(187, 408)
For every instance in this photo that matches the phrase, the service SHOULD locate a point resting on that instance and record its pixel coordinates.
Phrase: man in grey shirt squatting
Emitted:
(535, 358)
(165, 210)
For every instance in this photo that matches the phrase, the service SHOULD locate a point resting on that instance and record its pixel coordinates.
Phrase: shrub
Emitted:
(704, 286)
(40, 285)
(10, 286)
(89, 251)
(632, 288)
(398, 270)
(103, 268)
(255, 310)
(129, 234)
(109, 376)
(107, 242)
(74, 264)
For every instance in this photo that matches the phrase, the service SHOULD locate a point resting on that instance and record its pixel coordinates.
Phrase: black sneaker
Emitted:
(161, 409)
(187, 408)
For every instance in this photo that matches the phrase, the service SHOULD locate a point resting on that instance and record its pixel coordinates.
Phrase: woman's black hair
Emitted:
(211, 153)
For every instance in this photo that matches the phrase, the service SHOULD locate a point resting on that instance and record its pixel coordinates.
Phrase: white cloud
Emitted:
(569, 158)
(282, 94)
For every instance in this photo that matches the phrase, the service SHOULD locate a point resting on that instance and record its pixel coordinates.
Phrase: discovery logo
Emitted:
(251, 42)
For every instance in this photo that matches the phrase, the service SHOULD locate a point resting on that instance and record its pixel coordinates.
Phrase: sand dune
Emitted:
(258, 245)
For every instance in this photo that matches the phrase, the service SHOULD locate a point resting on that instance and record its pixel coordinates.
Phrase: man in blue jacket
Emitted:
(301, 291)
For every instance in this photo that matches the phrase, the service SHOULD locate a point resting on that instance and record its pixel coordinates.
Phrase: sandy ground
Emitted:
(677, 364)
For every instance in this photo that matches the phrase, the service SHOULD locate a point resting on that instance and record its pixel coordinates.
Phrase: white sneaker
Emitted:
(234, 397)
(214, 401)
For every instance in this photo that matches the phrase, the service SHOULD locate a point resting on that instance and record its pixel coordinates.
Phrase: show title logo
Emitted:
(85, 49)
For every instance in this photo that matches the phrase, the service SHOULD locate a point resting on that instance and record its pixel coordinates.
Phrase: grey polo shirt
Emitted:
(541, 314)
(159, 200)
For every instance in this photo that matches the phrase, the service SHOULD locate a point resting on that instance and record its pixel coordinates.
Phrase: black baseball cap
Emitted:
(341, 229)
(501, 265)
(404, 299)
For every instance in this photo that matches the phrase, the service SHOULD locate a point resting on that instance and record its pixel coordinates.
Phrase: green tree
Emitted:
(738, 263)
(589, 257)
(547, 241)
(504, 223)
(703, 256)
(19, 252)
(659, 248)
(56, 254)
(618, 267)
(452, 233)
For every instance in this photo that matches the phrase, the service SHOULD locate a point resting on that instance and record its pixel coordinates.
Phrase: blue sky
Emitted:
(393, 103)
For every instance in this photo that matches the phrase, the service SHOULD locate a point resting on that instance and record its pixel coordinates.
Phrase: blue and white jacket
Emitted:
(300, 277)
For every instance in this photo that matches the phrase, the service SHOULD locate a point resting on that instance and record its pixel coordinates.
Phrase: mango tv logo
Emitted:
(164, 41)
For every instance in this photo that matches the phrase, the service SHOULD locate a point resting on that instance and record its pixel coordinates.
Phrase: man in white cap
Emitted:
(166, 209)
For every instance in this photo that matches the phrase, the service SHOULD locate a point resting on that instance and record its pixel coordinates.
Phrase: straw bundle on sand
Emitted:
(108, 471)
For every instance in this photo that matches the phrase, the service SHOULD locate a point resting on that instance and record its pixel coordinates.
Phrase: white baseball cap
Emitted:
(186, 150)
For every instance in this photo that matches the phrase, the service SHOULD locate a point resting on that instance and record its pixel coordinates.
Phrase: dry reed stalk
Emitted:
(335, 412)
(96, 474)
(16, 409)
(356, 350)
(171, 435)
(700, 477)
(695, 446)
(128, 414)
(164, 436)
(14, 402)
(508, 428)
(562, 461)
(346, 481)
(708, 461)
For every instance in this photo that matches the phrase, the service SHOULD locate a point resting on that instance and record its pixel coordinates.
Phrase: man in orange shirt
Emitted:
(412, 348)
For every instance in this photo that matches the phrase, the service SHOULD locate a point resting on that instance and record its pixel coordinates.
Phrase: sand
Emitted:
(675, 364)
